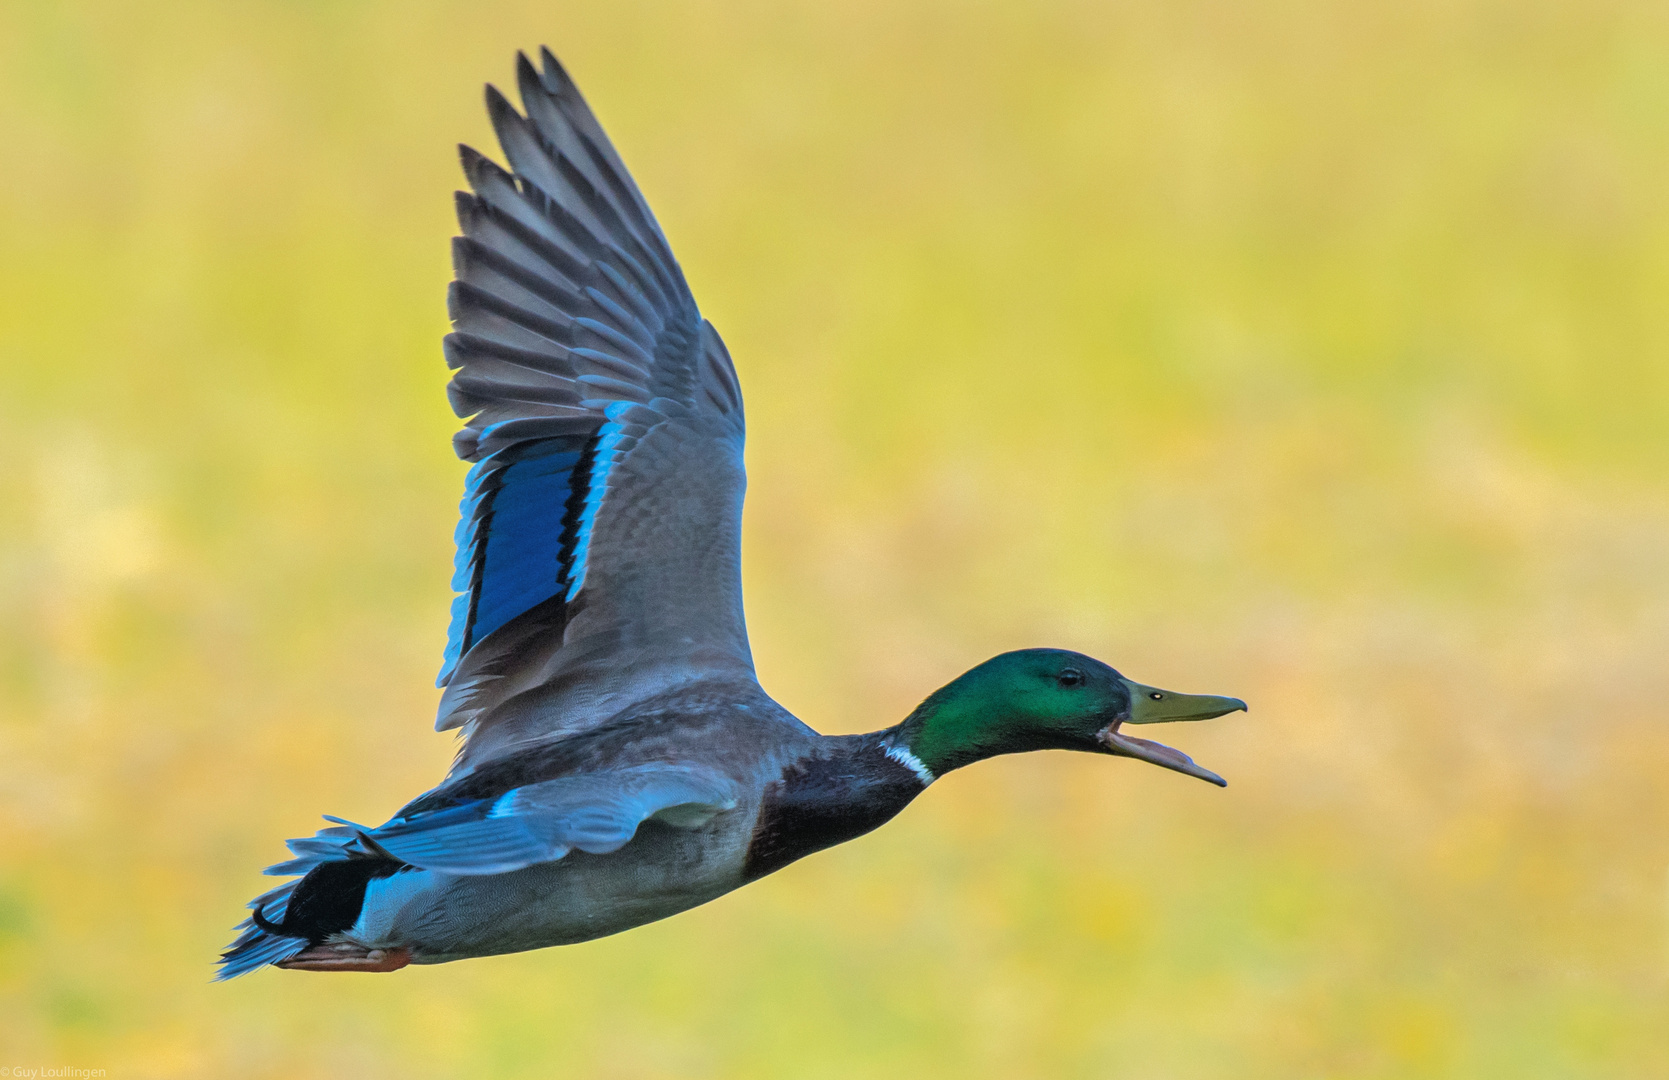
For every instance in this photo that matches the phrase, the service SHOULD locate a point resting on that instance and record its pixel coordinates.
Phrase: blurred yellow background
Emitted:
(1315, 352)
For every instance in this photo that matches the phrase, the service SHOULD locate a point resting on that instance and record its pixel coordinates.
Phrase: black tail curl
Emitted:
(259, 918)
(328, 900)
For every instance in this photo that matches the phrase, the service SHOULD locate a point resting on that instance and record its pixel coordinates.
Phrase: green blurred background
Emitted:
(1315, 352)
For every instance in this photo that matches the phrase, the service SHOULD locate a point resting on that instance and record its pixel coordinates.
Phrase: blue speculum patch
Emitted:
(510, 537)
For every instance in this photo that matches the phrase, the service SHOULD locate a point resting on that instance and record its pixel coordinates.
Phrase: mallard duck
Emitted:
(620, 761)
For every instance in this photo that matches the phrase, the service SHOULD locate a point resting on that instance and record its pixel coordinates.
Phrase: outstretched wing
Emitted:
(599, 548)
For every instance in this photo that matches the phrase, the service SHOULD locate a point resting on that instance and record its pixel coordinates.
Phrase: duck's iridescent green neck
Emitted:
(934, 740)
(1010, 704)
(937, 737)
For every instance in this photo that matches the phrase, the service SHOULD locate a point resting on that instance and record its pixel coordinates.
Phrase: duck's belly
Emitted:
(441, 917)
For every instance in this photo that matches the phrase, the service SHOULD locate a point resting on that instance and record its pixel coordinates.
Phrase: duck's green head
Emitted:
(1050, 699)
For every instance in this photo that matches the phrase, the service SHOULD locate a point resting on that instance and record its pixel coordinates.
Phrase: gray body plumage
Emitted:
(661, 872)
(671, 863)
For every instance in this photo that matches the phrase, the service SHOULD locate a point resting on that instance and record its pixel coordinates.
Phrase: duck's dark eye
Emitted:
(1070, 677)
(1157, 696)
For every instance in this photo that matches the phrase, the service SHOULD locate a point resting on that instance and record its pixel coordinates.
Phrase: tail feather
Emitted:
(256, 947)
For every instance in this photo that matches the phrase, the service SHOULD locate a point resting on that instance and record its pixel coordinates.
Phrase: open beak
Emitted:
(1150, 705)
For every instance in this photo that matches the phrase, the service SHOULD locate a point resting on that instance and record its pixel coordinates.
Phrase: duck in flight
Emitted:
(620, 761)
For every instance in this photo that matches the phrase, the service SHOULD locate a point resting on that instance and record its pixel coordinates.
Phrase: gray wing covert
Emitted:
(543, 822)
(596, 812)
(599, 546)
